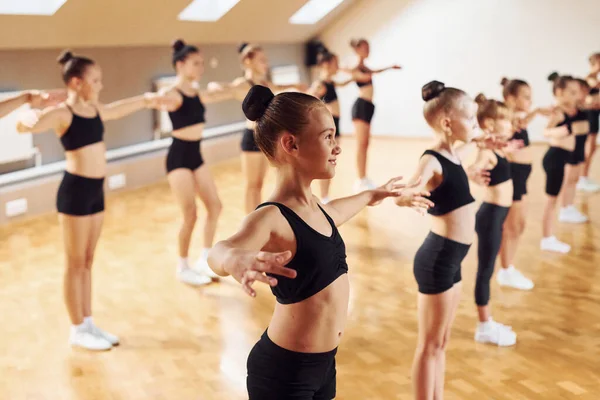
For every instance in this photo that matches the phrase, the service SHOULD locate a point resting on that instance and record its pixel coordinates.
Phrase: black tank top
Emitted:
(191, 112)
(454, 191)
(568, 121)
(330, 93)
(594, 91)
(369, 82)
(82, 132)
(501, 171)
(319, 260)
(522, 135)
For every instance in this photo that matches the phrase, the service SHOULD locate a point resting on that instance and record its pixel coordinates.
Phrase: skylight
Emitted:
(30, 7)
(206, 10)
(313, 11)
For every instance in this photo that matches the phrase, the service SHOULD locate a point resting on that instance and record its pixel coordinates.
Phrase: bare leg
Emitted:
(254, 168)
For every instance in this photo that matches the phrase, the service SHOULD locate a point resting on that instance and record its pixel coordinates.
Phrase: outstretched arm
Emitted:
(478, 172)
(241, 257)
(122, 108)
(42, 121)
(37, 99)
(216, 92)
(377, 71)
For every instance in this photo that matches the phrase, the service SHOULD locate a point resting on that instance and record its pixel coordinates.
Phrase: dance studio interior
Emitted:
(299, 199)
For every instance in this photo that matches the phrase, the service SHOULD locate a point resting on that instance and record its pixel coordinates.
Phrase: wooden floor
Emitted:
(183, 343)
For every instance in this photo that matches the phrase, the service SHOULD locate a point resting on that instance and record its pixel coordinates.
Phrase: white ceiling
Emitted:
(103, 23)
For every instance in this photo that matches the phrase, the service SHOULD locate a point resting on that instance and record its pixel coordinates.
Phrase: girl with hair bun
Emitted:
(187, 174)
(292, 244)
(79, 124)
(363, 109)
(452, 115)
(324, 89)
(254, 164)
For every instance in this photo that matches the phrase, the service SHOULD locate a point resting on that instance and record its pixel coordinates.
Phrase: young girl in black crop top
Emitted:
(292, 244)
(495, 119)
(187, 175)
(437, 265)
(518, 98)
(363, 109)
(324, 89)
(80, 199)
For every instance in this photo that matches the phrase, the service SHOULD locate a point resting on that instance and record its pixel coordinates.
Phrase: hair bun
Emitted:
(178, 45)
(553, 76)
(242, 47)
(504, 81)
(480, 99)
(432, 90)
(65, 57)
(257, 101)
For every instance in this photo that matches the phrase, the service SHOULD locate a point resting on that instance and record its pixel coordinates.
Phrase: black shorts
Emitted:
(519, 174)
(275, 373)
(554, 165)
(79, 196)
(594, 119)
(577, 156)
(336, 121)
(437, 263)
(248, 142)
(363, 110)
(184, 154)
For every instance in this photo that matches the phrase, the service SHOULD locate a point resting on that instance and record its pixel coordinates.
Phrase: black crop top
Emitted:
(501, 171)
(366, 71)
(319, 260)
(82, 132)
(330, 94)
(594, 91)
(454, 191)
(191, 112)
(522, 135)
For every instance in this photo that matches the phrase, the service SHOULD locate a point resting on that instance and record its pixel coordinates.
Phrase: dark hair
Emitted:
(354, 43)
(583, 83)
(560, 81)
(489, 108)
(288, 111)
(181, 51)
(511, 87)
(73, 66)
(438, 98)
(325, 57)
(247, 50)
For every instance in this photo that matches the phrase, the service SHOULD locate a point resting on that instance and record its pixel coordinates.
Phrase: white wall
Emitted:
(469, 44)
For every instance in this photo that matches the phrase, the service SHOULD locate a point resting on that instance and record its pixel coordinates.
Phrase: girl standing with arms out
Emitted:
(254, 163)
(187, 174)
(517, 97)
(292, 244)
(562, 142)
(80, 199)
(35, 98)
(451, 114)
(363, 110)
(324, 89)
(494, 119)
(593, 79)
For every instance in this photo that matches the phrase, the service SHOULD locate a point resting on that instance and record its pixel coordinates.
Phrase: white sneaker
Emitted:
(88, 341)
(553, 244)
(572, 215)
(512, 277)
(587, 185)
(109, 337)
(191, 277)
(495, 333)
(203, 268)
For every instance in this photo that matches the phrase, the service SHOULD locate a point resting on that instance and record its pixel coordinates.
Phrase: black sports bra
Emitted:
(454, 191)
(369, 82)
(319, 260)
(191, 112)
(82, 132)
(594, 91)
(330, 94)
(501, 171)
(522, 135)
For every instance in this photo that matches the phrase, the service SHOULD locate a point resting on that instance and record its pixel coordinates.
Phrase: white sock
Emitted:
(486, 324)
(88, 321)
(183, 263)
(78, 328)
(205, 253)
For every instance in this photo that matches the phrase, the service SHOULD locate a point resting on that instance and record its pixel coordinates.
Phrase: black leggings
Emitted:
(275, 373)
(488, 225)
(554, 165)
